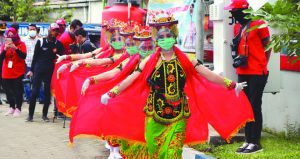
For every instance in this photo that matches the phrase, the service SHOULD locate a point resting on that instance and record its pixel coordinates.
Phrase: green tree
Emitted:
(67, 14)
(284, 16)
(24, 10)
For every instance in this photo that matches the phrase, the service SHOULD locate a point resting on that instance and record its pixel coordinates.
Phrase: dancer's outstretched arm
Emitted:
(102, 77)
(74, 57)
(94, 62)
(215, 78)
(125, 83)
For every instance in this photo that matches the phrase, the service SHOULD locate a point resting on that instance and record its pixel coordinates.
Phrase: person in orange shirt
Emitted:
(250, 60)
(13, 55)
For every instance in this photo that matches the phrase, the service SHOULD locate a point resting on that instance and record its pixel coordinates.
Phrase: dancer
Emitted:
(180, 97)
(95, 86)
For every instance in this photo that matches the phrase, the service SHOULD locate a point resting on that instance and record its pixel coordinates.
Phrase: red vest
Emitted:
(251, 45)
(18, 64)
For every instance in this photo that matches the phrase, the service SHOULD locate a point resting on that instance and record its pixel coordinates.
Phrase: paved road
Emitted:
(40, 140)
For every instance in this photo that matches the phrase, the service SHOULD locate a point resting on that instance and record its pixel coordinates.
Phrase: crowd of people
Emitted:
(27, 63)
(139, 92)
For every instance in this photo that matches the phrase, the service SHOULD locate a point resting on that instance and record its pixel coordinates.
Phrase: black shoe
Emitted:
(252, 148)
(45, 119)
(29, 119)
(242, 148)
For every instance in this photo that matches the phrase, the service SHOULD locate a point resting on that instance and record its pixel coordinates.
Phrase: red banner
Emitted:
(286, 63)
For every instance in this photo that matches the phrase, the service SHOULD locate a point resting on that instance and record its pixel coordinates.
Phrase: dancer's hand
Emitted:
(85, 86)
(104, 98)
(61, 69)
(75, 66)
(60, 58)
(239, 87)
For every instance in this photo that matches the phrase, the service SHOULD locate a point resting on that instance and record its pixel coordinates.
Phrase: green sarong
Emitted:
(165, 141)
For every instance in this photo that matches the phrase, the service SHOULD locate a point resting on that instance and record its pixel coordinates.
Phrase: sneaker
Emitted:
(29, 119)
(242, 148)
(45, 119)
(10, 111)
(17, 112)
(252, 148)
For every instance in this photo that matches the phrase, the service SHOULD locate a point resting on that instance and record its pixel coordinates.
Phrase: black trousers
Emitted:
(38, 78)
(14, 91)
(254, 92)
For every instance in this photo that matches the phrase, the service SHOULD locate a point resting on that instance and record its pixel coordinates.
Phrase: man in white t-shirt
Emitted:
(30, 41)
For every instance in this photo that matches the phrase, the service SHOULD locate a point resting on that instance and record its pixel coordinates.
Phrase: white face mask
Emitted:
(32, 33)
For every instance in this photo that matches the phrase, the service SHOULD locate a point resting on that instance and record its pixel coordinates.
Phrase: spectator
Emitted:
(250, 61)
(68, 38)
(13, 55)
(30, 42)
(62, 26)
(42, 68)
(2, 41)
(84, 44)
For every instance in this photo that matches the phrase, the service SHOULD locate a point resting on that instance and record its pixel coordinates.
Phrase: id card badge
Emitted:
(10, 64)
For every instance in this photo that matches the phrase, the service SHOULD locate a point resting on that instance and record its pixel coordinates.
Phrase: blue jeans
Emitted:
(27, 88)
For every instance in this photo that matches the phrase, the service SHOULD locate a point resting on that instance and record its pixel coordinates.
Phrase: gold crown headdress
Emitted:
(128, 30)
(113, 27)
(159, 19)
(143, 34)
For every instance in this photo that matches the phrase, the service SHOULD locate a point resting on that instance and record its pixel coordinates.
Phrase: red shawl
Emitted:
(59, 86)
(88, 113)
(76, 79)
(209, 103)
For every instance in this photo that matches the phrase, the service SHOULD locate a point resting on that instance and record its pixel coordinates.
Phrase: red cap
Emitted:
(54, 26)
(237, 4)
(61, 21)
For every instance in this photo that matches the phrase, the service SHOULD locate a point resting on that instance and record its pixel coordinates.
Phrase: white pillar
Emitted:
(223, 35)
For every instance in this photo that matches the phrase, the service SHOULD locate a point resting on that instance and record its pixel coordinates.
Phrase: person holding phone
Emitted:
(13, 55)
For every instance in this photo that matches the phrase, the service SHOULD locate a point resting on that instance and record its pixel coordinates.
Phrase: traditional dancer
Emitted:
(103, 82)
(180, 97)
(67, 99)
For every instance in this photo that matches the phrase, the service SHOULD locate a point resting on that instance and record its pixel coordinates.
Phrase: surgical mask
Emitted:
(145, 53)
(132, 50)
(117, 45)
(166, 43)
(32, 33)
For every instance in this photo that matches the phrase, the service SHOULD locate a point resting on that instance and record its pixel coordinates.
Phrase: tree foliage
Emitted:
(24, 11)
(284, 16)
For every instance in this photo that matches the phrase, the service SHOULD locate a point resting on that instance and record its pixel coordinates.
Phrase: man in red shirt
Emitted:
(68, 38)
(250, 61)
(13, 55)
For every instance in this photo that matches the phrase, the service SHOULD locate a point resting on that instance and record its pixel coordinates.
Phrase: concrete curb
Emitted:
(190, 153)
